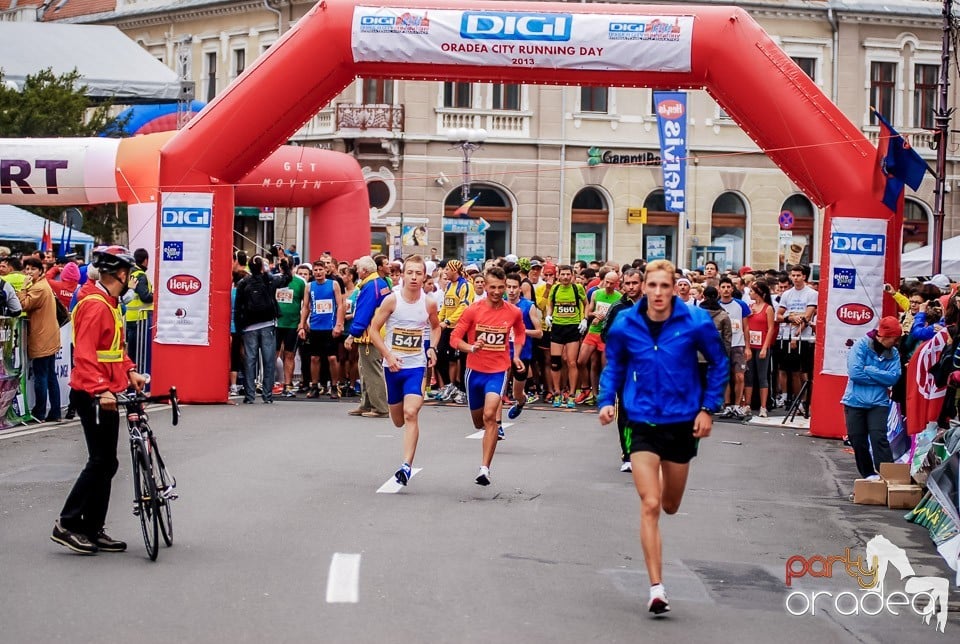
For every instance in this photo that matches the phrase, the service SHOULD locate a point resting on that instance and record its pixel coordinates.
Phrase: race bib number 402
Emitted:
(493, 338)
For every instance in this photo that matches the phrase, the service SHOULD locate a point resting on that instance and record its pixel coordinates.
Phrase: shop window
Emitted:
(728, 229)
(797, 242)
(588, 229)
(495, 207)
(916, 225)
(659, 239)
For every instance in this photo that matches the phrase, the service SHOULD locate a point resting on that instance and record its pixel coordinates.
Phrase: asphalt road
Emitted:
(281, 536)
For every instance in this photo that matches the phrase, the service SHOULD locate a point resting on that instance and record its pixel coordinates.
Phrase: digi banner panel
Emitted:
(605, 42)
(854, 286)
(183, 282)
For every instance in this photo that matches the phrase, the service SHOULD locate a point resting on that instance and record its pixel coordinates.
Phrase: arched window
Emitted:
(797, 238)
(493, 205)
(916, 225)
(729, 229)
(660, 231)
(588, 228)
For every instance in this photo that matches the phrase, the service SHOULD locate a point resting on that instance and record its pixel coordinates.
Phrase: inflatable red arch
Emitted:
(720, 49)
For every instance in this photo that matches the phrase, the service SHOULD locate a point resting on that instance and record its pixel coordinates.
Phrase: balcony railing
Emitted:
(497, 123)
(920, 140)
(369, 120)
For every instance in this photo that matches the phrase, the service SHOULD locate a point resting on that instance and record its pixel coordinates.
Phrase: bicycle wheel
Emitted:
(163, 482)
(146, 499)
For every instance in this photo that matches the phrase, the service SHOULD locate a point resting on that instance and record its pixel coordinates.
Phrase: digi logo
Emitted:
(377, 21)
(185, 217)
(628, 27)
(495, 25)
(857, 244)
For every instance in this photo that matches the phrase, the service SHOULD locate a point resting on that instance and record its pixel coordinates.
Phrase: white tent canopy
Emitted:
(111, 65)
(919, 262)
(18, 225)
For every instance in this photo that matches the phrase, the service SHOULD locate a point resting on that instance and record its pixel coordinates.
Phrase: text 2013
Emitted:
(522, 61)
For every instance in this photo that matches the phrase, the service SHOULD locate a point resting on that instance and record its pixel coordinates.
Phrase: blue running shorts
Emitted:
(480, 384)
(404, 382)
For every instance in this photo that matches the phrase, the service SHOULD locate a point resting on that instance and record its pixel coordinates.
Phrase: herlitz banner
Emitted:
(672, 124)
(183, 308)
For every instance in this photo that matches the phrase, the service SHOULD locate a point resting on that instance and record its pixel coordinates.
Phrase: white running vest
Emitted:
(407, 329)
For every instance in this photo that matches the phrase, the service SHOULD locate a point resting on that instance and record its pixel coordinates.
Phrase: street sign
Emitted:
(786, 220)
(465, 226)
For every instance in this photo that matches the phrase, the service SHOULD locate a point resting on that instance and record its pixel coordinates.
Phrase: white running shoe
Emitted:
(626, 467)
(873, 477)
(658, 604)
(483, 477)
(763, 412)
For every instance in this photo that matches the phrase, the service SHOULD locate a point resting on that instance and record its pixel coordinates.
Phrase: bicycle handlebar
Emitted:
(139, 397)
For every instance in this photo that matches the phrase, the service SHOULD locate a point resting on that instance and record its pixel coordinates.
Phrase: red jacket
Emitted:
(100, 358)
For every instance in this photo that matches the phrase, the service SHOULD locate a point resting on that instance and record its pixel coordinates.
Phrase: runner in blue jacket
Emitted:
(652, 364)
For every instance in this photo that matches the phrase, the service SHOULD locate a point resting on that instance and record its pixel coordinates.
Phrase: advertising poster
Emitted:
(183, 305)
(523, 39)
(672, 125)
(854, 286)
(656, 247)
(475, 247)
(586, 246)
(415, 236)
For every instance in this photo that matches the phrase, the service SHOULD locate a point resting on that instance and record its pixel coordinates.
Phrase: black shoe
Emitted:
(71, 414)
(105, 544)
(73, 540)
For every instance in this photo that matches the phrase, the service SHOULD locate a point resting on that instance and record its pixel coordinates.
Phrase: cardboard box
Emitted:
(895, 473)
(903, 497)
(870, 492)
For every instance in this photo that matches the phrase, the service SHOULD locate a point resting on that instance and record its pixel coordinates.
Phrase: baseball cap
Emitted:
(889, 328)
(744, 270)
(511, 258)
(550, 268)
(536, 263)
(940, 280)
(471, 268)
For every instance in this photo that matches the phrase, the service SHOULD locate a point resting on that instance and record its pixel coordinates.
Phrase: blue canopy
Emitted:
(19, 225)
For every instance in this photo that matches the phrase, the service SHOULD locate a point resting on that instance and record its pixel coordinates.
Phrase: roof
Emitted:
(22, 226)
(111, 65)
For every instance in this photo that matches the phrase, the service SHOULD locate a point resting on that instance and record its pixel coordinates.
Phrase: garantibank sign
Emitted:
(596, 156)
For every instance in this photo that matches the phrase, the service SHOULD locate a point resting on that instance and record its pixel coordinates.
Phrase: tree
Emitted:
(53, 106)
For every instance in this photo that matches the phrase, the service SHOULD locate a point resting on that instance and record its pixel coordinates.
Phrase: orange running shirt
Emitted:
(480, 319)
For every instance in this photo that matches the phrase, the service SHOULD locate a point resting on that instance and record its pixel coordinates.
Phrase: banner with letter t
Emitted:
(183, 282)
(672, 124)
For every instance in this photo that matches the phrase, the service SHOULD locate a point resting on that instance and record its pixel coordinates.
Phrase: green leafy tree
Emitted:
(51, 105)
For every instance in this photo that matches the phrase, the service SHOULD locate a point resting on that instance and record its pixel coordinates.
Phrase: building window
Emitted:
(797, 241)
(808, 65)
(916, 225)
(210, 58)
(728, 229)
(506, 97)
(458, 95)
(660, 232)
(593, 99)
(239, 61)
(882, 89)
(925, 82)
(377, 91)
(588, 230)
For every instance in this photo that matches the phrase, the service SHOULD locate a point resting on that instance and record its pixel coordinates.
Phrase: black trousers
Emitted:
(85, 509)
(867, 426)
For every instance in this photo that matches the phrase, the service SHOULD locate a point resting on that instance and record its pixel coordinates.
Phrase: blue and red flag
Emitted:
(46, 241)
(899, 163)
(464, 209)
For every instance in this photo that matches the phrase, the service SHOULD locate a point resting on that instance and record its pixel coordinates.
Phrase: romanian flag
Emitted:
(464, 210)
(899, 163)
(46, 241)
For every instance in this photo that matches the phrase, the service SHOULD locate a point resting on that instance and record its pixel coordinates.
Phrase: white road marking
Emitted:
(479, 435)
(343, 579)
(392, 487)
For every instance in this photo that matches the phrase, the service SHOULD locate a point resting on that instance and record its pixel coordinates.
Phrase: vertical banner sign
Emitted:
(672, 124)
(183, 284)
(854, 286)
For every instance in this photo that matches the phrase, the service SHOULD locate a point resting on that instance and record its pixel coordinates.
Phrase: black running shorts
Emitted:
(672, 442)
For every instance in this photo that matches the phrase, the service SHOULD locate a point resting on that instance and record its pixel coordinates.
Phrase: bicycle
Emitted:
(153, 486)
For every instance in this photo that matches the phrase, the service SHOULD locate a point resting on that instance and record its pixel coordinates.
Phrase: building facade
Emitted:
(561, 168)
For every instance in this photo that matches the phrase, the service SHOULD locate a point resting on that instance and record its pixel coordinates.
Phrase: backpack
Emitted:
(577, 289)
(261, 300)
(63, 315)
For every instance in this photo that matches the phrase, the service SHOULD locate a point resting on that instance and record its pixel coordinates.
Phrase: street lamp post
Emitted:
(468, 141)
